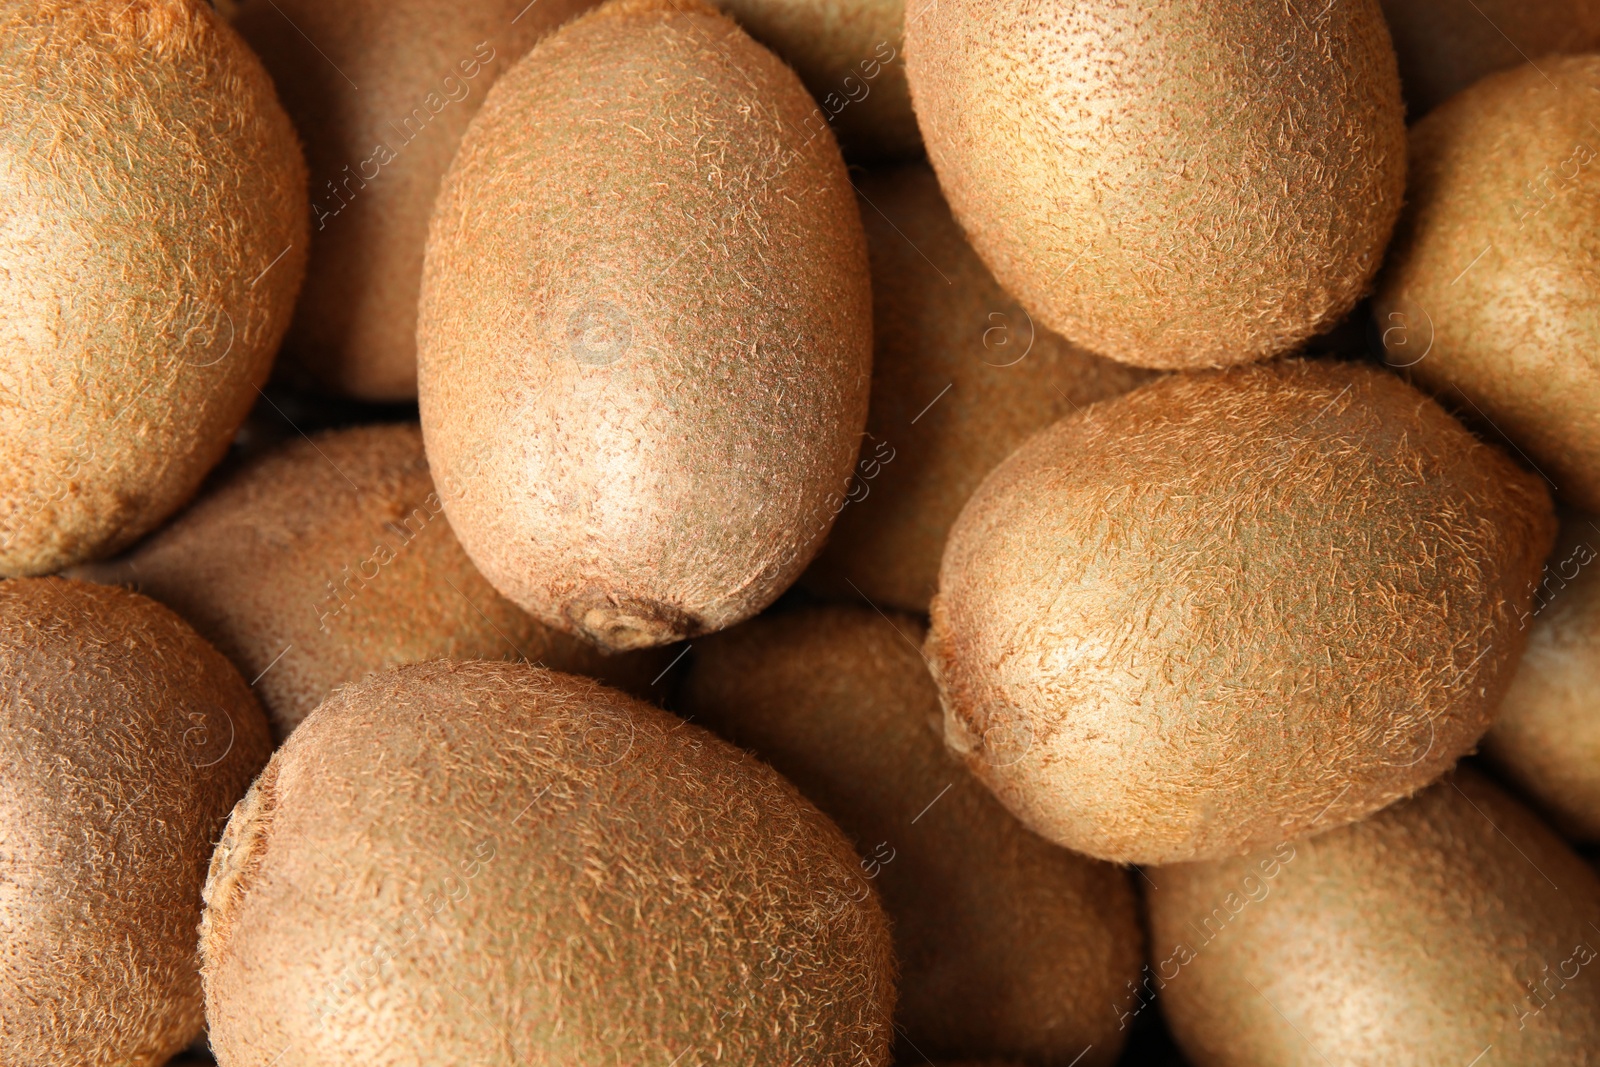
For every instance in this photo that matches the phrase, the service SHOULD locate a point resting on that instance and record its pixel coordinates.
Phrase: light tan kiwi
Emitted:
(851, 55)
(1166, 186)
(152, 240)
(382, 92)
(961, 376)
(1448, 925)
(124, 741)
(1490, 298)
(676, 280)
(1445, 45)
(1228, 609)
(1007, 944)
(329, 559)
(493, 864)
(1546, 738)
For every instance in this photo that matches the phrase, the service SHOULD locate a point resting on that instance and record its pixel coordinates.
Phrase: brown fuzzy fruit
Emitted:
(124, 741)
(1490, 294)
(961, 376)
(1546, 738)
(1007, 944)
(1227, 609)
(1169, 184)
(382, 91)
(1442, 928)
(1446, 45)
(330, 559)
(675, 281)
(850, 54)
(492, 864)
(152, 241)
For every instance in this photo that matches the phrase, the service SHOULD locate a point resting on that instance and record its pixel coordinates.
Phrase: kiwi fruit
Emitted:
(1546, 738)
(1167, 186)
(961, 376)
(1449, 924)
(124, 741)
(494, 864)
(330, 558)
(1007, 944)
(1230, 608)
(682, 277)
(851, 55)
(381, 92)
(1489, 298)
(1443, 47)
(152, 240)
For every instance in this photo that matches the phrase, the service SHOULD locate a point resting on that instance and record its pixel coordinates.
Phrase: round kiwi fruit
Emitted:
(1007, 944)
(124, 741)
(1489, 298)
(961, 376)
(850, 54)
(1546, 738)
(686, 321)
(382, 92)
(494, 864)
(1449, 924)
(329, 559)
(1169, 187)
(1445, 47)
(152, 240)
(1231, 608)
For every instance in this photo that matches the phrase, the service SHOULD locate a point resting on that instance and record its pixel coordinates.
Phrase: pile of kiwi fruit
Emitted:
(810, 533)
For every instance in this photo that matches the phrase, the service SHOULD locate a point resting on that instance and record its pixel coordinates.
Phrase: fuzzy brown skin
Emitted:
(851, 56)
(124, 741)
(940, 320)
(675, 281)
(1546, 737)
(1445, 45)
(355, 330)
(1227, 609)
(330, 559)
(1166, 188)
(1490, 298)
(149, 182)
(1007, 945)
(487, 863)
(1406, 939)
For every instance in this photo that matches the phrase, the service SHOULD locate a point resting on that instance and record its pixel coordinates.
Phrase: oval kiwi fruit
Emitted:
(1228, 609)
(124, 741)
(1168, 188)
(961, 376)
(1445, 47)
(1546, 738)
(850, 54)
(686, 318)
(1007, 944)
(488, 863)
(152, 240)
(381, 92)
(329, 559)
(1489, 298)
(1449, 924)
